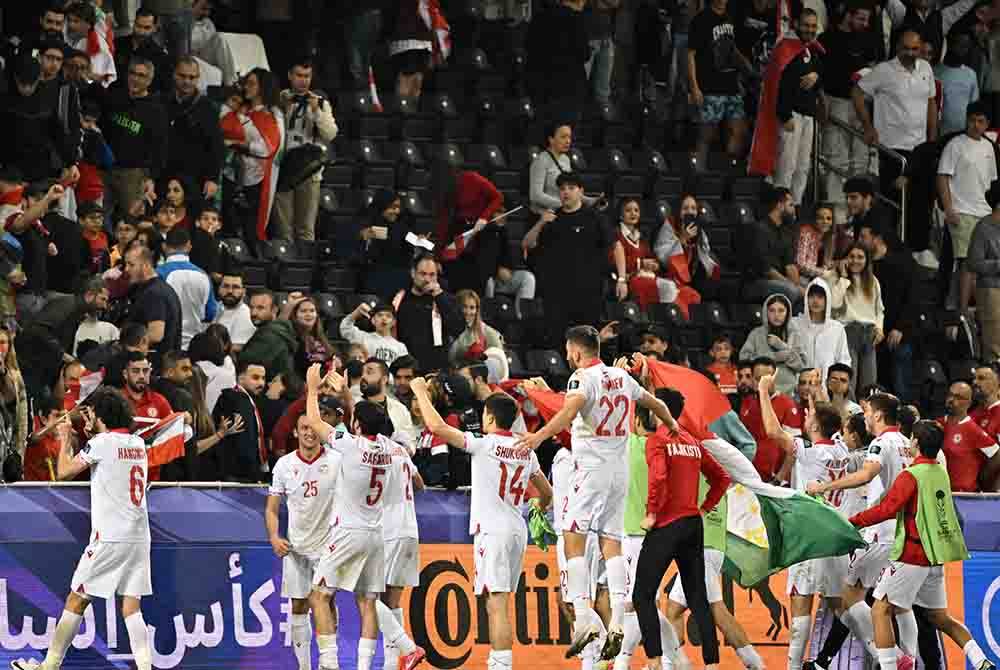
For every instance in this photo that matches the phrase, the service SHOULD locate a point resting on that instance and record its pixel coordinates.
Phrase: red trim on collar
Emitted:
(504, 433)
(314, 459)
(592, 362)
(123, 431)
(889, 429)
(824, 441)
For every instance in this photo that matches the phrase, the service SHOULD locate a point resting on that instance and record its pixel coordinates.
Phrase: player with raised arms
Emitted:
(597, 410)
(501, 472)
(354, 559)
(116, 562)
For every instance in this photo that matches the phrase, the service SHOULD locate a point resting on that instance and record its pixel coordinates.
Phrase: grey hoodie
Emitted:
(823, 343)
(788, 356)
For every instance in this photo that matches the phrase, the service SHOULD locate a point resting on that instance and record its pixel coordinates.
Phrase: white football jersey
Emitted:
(361, 481)
(600, 430)
(891, 450)
(819, 462)
(400, 516)
(855, 500)
(500, 474)
(308, 488)
(118, 471)
(562, 478)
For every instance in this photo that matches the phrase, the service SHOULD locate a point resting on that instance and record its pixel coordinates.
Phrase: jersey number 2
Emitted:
(376, 486)
(136, 485)
(612, 405)
(516, 486)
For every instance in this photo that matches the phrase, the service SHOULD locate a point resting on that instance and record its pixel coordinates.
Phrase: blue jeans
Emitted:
(900, 362)
(599, 68)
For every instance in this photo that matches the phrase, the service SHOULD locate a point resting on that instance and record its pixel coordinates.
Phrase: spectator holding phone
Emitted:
(685, 255)
(382, 343)
(428, 318)
(385, 251)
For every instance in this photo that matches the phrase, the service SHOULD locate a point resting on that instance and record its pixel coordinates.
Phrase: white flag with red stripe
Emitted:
(166, 439)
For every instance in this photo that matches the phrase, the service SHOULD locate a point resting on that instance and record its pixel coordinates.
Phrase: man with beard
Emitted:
(403, 370)
(374, 382)
(146, 403)
(275, 341)
(196, 145)
(769, 455)
(235, 314)
(142, 43)
(153, 303)
(838, 387)
(972, 455)
(173, 381)
(987, 412)
(427, 318)
(242, 456)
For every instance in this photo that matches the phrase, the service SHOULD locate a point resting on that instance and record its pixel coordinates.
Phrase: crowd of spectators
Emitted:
(148, 215)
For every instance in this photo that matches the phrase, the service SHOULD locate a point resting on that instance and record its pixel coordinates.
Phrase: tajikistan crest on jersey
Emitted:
(295, 472)
(323, 468)
(957, 439)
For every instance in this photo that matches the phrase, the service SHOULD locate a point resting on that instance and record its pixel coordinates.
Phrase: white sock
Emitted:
(859, 619)
(631, 640)
(302, 640)
(503, 659)
(887, 658)
(751, 659)
(617, 589)
(577, 578)
(491, 663)
(138, 637)
(66, 630)
(366, 653)
(392, 630)
(398, 613)
(974, 653)
(669, 641)
(328, 651)
(907, 624)
(797, 641)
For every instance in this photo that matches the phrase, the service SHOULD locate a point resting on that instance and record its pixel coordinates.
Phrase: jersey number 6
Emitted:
(136, 485)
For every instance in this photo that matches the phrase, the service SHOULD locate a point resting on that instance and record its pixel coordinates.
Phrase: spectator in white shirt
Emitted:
(235, 313)
(904, 92)
(965, 172)
(191, 284)
(207, 353)
(381, 344)
(92, 328)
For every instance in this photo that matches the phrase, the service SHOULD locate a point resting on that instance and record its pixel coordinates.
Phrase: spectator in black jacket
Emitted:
(142, 44)
(72, 256)
(896, 272)
(558, 51)
(241, 457)
(385, 250)
(196, 146)
(31, 137)
(136, 128)
(417, 310)
(771, 264)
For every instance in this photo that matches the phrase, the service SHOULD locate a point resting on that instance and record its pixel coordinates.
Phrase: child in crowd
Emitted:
(91, 216)
(722, 365)
(97, 156)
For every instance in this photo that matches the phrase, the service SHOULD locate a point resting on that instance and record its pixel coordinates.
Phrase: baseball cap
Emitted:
(331, 404)
(655, 331)
(87, 208)
(383, 307)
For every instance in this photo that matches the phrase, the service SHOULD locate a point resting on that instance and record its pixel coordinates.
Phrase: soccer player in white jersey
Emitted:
(888, 455)
(305, 478)
(354, 559)
(598, 405)
(402, 541)
(501, 472)
(116, 562)
(818, 459)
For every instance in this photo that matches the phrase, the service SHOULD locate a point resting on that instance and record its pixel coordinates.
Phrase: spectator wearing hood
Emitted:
(824, 340)
(384, 247)
(778, 339)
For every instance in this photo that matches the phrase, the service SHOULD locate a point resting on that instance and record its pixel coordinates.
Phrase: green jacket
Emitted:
(937, 522)
(274, 346)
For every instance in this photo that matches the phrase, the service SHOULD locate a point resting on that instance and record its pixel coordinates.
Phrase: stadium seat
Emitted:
(499, 309)
(290, 271)
(626, 311)
(547, 361)
(666, 313)
(255, 270)
(962, 370)
(709, 314)
(330, 308)
(337, 279)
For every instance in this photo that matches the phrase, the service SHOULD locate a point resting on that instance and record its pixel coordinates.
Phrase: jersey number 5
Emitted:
(376, 486)
(612, 405)
(516, 486)
(136, 485)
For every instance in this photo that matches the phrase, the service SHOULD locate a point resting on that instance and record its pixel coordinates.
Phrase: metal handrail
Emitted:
(818, 159)
(155, 485)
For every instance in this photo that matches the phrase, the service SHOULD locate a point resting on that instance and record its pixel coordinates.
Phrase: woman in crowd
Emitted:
(816, 248)
(221, 333)
(255, 132)
(179, 194)
(13, 400)
(206, 353)
(477, 336)
(386, 253)
(644, 284)
(857, 303)
(314, 347)
(206, 434)
(548, 165)
(685, 255)
(779, 339)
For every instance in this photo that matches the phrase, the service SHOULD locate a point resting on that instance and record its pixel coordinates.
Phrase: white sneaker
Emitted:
(25, 664)
(927, 259)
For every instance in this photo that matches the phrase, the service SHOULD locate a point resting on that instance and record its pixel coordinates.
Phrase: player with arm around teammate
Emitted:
(597, 409)
(116, 562)
(817, 458)
(354, 559)
(306, 479)
(501, 472)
